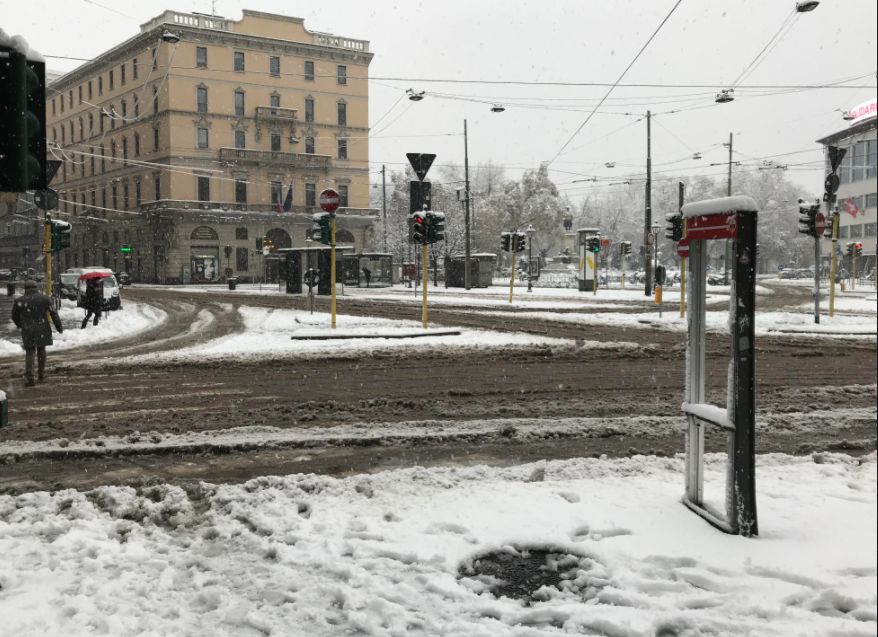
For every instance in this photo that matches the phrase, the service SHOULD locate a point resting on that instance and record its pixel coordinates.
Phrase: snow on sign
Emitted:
(721, 226)
(328, 200)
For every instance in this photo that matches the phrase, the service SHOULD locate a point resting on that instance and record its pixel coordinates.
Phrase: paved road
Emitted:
(797, 379)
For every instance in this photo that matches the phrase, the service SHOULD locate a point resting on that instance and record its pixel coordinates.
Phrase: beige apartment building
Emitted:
(185, 146)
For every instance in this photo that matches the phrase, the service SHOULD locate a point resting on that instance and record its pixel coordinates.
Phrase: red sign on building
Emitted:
(721, 226)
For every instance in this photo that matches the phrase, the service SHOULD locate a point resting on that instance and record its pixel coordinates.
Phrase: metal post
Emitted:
(728, 247)
(681, 191)
(466, 220)
(529, 262)
(47, 253)
(647, 264)
(424, 291)
(695, 374)
(816, 279)
(512, 276)
(384, 204)
(833, 261)
(332, 270)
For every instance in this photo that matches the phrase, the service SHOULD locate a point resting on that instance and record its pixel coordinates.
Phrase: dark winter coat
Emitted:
(94, 296)
(30, 313)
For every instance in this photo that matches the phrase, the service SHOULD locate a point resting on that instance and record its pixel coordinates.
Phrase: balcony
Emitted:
(196, 20)
(178, 205)
(289, 160)
(275, 114)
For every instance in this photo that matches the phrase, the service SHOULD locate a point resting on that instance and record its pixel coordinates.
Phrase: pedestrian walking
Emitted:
(30, 313)
(367, 273)
(93, 301)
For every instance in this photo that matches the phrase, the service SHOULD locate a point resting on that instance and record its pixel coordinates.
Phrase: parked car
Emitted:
(112, 297)
(123, 278)
(69, 280)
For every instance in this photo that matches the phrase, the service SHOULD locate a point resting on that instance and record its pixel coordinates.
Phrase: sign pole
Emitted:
(833, 262)
(681, 190)
(424, 268)
(512, 276)
(332, 270)
(47, 252)
(817, 278)
(624, 262)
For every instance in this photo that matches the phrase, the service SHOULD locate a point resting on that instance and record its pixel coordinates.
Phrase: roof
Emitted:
(856, 129)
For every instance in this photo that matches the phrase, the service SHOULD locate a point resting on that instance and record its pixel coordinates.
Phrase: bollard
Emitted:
(4, 410)
(658, 295)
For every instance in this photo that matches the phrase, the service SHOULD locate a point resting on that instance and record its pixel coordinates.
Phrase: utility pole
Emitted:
(728, 246)
(466, 274)
(647, 262)
(384, 204)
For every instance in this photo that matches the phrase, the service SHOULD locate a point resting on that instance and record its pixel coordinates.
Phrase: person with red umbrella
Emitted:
(93, 302)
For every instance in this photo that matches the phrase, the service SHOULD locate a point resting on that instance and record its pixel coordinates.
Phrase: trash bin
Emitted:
(233, 282)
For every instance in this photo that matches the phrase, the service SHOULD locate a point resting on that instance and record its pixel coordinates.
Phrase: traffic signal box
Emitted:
(854, 249)
(435, 227)
(808, 218)
(22, 122)
(625, 248)
(60, 235)
(322, 230)
(513, 241)
(674, 227)
(418, 228)
(426, 228)
(593, 244)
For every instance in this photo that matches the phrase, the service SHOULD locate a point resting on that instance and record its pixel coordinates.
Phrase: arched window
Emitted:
(204, 233)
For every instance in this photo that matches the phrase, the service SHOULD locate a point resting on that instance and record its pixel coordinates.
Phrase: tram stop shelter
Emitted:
(481, 270)
(367, 270)
(295, 262)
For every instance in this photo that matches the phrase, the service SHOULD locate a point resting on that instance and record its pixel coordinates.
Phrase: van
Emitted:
(112, 297)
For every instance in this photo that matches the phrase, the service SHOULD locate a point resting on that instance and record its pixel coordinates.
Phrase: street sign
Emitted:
(836, 154)
(831, 184)
(126, 249)
(819, 224)
(650, 239)
(605, 241)
(52, 166)
(328, 201)
(420, 195)
(421, 163)
(719, 226)
(683, 249)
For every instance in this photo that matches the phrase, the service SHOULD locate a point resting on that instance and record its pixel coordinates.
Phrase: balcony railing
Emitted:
(227, 206)
(327, 39)
(186, 20)
(276, 113)
(291, 160)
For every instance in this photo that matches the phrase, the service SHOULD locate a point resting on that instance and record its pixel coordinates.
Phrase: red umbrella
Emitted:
(94, 275)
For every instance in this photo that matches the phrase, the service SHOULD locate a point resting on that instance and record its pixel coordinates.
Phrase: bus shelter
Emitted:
(481, 270)
(297, 261)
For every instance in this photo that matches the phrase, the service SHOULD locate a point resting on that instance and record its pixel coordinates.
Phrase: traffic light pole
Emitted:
(647, 262)
(424, 291)
(832, 268)
(47, 252)
(817, 279)
(681, 195)
(512, 273)
(332, 268)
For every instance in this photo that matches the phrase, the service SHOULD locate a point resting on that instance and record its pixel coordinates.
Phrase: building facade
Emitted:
(858, 190)
(185, 147)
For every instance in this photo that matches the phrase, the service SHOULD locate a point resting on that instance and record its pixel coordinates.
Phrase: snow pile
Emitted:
(389, 553)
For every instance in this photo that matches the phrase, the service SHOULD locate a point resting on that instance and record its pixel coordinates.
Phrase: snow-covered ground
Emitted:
(133, 319)
(307, 555)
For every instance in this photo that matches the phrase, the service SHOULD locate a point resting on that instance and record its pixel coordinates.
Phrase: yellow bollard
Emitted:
(658, 295)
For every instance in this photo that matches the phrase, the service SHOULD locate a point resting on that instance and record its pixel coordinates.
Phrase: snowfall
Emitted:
(409, 551)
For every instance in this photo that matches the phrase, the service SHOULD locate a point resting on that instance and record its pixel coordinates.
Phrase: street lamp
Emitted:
(655, 233)
(529, 231)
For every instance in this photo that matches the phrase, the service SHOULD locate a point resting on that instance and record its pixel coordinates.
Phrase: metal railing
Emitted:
(294, 160)
(276, 113)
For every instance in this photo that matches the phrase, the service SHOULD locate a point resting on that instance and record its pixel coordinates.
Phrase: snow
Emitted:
(710, 413)
(738, 203)
(379, 554)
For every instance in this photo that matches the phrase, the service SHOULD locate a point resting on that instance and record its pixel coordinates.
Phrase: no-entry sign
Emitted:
(819, 224)
(683, 249)
(328, 200)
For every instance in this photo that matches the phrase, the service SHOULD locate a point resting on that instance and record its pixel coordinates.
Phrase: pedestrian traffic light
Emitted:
(674, 227)
(418, 228)
(22, 119)
(593, 244)
(625, 248)
(849, 247)
(506, 241)
(858, 249)
(435, 227)
(322, 230)
(807, 218)
(60, 235)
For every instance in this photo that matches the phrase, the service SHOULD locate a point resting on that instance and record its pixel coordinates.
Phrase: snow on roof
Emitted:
(738, 203)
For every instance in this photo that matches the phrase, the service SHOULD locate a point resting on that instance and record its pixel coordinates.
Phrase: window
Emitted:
(241, 233)
(61, 100)
(204, 189)
(103, 197)
(154, 54)
(122, 73)
(112, 118)
(137, 192)
(124, 108)
(343, 196)
(869, 229)
(103, 161)
(94, 199)
(240, 139)
(100, 123)
(274, 65)
(63, 135)
(310, 195)
(843, 232)
(89, 92)
(111, 79)
(124, 148)
(91, 124)
(201, 99)
(871, 200)
(275, 142)
(341, 74)
(276, 193)
(856, 231)
(70, 96)
(100, 86)
(342, 114)
(241, 262)
(81, 130)
(115, 191)
(858, 162)
(309, 109)
(157, 186)
(309, 145)
(274, 101)
(91, 162)
(309, 70)
(134, 68)
(80, 93)
(113, 149)
(202, 138)
(155, 99)
(342, 149)
(136, 101)
(54, 112)
(239, 103)
(871, 158)
(239, 61)
(240, 195)
(201, 57)
(126, 200)
(155, 138)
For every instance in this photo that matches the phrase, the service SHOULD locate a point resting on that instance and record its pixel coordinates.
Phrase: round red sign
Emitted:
(328, 200)
(819, 224)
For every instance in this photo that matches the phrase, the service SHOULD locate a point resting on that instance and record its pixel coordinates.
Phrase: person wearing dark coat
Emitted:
(93, 301)
(30, 313)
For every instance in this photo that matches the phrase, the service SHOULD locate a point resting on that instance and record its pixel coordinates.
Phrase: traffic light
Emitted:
(674, 227)
(418, 228)
(849, 247)
(593, 244)
(808, 218)
(519, 242)
(506, 241)
(858, 249)
(60, 235)
(22, 120)
(827, 229)
(435, 227)
(322, 230)
(625, 248)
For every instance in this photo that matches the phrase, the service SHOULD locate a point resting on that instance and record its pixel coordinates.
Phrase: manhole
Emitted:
(536, 574)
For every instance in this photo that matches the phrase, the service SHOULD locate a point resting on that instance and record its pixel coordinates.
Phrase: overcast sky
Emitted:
(704, 42)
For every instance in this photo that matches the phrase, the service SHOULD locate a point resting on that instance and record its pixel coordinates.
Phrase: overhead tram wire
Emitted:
(788, 21)
(610, 90)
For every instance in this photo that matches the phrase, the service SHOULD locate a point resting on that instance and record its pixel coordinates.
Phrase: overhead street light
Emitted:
(806, 6)
(725, 95)
(498, 108)
(170, 37)
(415, 96)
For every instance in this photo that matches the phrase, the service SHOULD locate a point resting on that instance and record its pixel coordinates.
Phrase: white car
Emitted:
(112, 298)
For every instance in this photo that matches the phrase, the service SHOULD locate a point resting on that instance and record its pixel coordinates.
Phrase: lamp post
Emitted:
(529, 231)
(655, 233)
